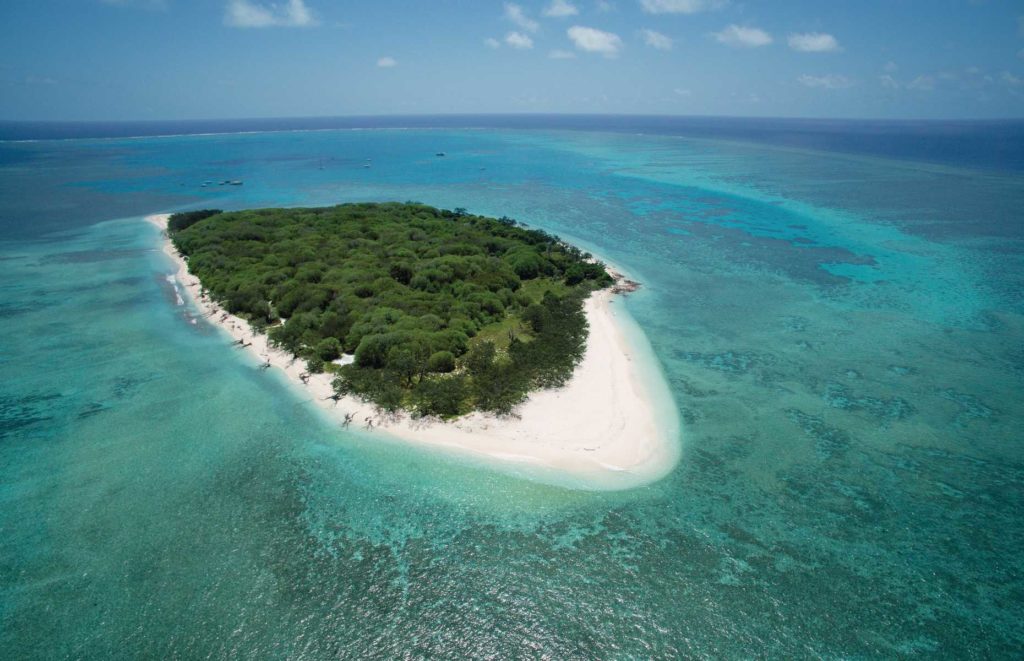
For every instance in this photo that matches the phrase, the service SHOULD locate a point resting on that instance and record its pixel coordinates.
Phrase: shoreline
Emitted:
(613, 426)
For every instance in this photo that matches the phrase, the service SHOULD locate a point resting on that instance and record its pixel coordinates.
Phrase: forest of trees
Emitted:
(445, 312)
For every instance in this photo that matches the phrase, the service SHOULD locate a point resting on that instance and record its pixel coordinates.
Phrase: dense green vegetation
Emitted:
(180, 221)
(445, 312)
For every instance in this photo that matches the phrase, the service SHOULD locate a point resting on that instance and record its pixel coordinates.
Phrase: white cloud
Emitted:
(517, 15)
(603, 6)
(491, 42)
(387, 62)
(248, 14)
(560, 8)
(829, 81)
(682, 92)
(922, 84)
(592, 40)
(742, 37)
(656, 40)
(680, 6)
(518, 40)
(562, 55)
(972, 78)
(890, 67)
(813, 42)
(888, 82)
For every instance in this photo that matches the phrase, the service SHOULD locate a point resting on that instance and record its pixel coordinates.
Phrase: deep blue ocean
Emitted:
(838, 307)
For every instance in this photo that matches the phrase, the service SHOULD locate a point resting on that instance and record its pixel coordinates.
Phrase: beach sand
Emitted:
(613, 426)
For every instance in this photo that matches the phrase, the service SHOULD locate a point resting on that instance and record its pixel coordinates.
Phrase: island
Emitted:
(438, 326)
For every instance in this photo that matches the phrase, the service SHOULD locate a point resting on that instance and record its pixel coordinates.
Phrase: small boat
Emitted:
(235, 183)
(440, 153)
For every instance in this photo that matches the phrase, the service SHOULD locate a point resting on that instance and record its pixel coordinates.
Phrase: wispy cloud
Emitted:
(922, 84)
(888, 82)
(1011, 80)
(603, 6)
(738, 36)
(890, 67)
(249, 14)
(518, 40)
(656, 40)
(830, 81)
(593, 40)
(813, 42)
(560, 9)
(516, 14)
(491, 42)
(680, 6)
(682, 92)
(968, 79)
(387, 62)
(39, 80)
(562, 55)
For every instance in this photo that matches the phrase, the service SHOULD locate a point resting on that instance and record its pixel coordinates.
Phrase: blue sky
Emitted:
(177, 59)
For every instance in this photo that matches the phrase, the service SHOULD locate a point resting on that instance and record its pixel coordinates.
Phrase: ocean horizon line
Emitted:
(430, 120)
(989, 144)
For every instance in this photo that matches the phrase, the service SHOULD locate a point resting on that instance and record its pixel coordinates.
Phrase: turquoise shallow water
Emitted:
(843, 336)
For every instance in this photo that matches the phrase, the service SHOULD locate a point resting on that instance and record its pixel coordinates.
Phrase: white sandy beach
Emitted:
(613, 426)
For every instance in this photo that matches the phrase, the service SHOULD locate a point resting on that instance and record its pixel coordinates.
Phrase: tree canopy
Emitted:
(444, 311)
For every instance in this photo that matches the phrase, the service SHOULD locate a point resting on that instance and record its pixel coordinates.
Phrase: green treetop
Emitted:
(445, 311)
